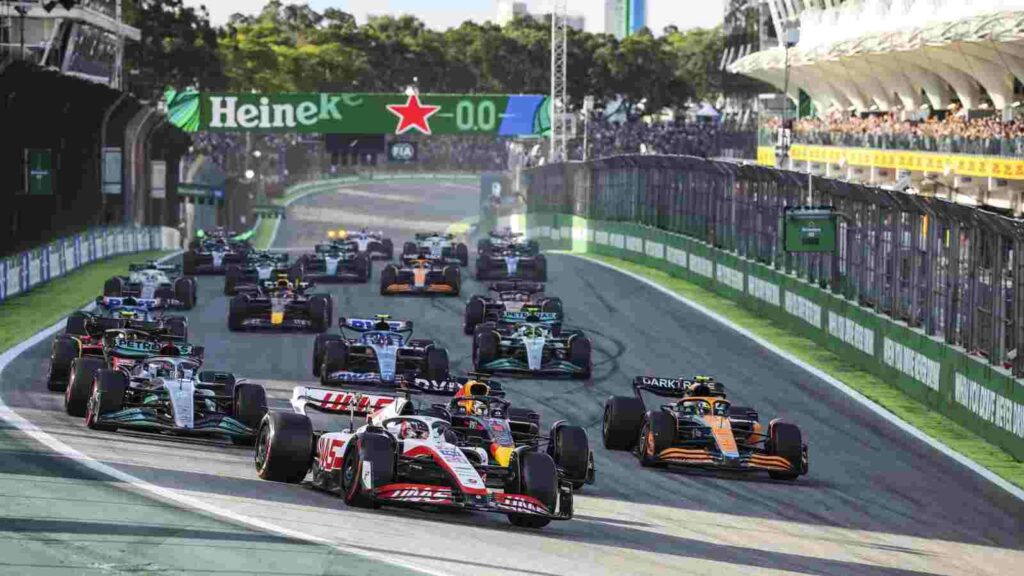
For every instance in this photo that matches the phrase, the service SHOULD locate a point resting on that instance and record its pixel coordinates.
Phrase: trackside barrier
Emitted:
(27, 270)
(984, 398)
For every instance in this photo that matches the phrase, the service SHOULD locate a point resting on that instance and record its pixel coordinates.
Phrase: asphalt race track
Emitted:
(876, 501)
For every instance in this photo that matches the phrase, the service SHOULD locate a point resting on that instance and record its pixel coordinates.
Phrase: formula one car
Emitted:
(373, 245)
(513, 302)
(439, 247)
(336, 262)
(258, 268)
(382, 352)
(84, 333)
(511, 263)
(421, 276)
(701, 428)
(170, 394)
(118, 350)
(213, 254)
(531, 348)
(281, 304)
(481, 415)
(405, 456)
(506, 239)
(154, 281)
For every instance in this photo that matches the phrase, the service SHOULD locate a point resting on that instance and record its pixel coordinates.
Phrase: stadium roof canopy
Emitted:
(972, 50)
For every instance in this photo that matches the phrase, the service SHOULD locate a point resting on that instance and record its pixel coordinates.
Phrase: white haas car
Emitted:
(403, 455)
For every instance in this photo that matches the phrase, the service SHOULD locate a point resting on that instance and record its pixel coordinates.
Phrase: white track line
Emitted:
(860, 398)
(13, 418)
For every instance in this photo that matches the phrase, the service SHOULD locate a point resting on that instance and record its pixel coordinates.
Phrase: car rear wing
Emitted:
(426, 235)
(367, 324)
(336, 246)
(675, 387)
(518, 286)
(138, 267)
(340, 402)
(129, 302)
(450, 386)
(543, 317)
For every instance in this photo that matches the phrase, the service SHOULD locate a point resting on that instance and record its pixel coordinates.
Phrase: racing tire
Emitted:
(318, 350)
(785, 440)
(77, 324)
(540, 268)
(188, 261)
(484, 247)
(579, 354)
(363, 262)
(435, 365)
(388, 277)
(389, 248)
(177, 327)
(79, 389)
(620, 427)
(297, 272)
(114, 286)
(552, 305)
(284, 447)
(462, 253)
(657, 433)
(453, 278)
(374, 449)
(483, 328)
(231, 278)
(320, 312)
(248, 407)
(485, 349)
(184, 292)
(532, 247)
(570, 449)
(108, 390)
(537, 477)
(410, 249)
(62, 354)
(474, 314)
(335, 359)
(237, 310)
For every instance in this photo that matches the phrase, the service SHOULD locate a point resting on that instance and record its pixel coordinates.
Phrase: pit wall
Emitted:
(981, 397)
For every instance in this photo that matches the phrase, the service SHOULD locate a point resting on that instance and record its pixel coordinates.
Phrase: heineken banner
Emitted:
(337, 113)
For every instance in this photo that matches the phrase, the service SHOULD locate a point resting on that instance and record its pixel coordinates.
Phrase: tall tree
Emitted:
(178, 48)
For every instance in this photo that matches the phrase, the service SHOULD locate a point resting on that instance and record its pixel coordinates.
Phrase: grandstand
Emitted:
(940, 79)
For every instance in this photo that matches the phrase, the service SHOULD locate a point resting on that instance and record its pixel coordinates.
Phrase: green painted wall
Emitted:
(970, 391)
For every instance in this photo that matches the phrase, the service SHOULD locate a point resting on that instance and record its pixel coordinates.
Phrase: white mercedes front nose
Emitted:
(534, 351)
(182, 393)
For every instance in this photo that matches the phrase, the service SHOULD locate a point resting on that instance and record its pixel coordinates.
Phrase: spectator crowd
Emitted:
(952, 133)
(453, 152)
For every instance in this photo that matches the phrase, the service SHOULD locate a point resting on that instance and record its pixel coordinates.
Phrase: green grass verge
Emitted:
(892, 399)
(264, 230)
(25, 314)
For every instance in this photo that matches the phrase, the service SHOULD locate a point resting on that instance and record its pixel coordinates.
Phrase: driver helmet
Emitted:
(412, 430)
(702, 385)
(473, 388)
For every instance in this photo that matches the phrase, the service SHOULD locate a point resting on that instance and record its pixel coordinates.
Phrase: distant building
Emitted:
(624, 17)
(509, 10)
(86, 41)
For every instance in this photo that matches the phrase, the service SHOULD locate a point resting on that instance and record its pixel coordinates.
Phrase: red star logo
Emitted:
(412, 114)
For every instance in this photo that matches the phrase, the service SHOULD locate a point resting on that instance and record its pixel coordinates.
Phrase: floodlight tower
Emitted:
(559, 103)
